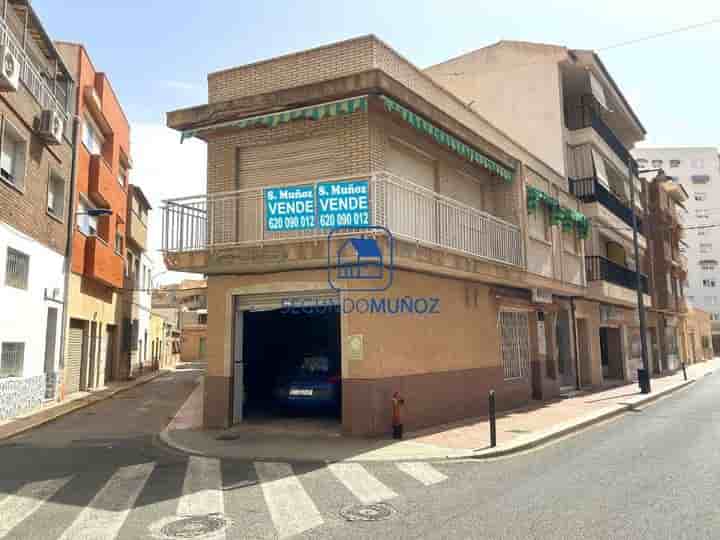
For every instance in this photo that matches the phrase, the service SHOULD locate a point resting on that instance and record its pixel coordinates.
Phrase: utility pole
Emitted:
(638, 280)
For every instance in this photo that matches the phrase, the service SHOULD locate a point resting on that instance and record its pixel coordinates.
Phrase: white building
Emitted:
(697, 169)
(31, 296)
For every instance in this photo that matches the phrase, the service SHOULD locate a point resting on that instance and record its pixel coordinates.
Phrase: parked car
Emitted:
(314, 384)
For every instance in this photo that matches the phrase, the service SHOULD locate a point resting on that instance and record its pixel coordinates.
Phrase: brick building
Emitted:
(36, 90)
(98, 244)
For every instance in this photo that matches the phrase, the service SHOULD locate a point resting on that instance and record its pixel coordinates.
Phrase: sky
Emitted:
(158, 53)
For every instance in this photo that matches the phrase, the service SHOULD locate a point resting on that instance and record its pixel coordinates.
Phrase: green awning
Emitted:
(313, 112)
(448, 140)
(559, 215)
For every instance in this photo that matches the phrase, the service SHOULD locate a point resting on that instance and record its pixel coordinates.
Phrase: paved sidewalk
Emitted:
(48, 413)
(517, 430)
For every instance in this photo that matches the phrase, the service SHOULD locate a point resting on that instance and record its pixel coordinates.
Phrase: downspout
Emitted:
(69, 249)
(575, 339)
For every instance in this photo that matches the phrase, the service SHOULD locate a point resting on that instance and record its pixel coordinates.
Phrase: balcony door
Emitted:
(616, 253)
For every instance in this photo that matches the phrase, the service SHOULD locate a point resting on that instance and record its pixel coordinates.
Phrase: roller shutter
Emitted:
(411, 165)
(270, 301)
(73, 360)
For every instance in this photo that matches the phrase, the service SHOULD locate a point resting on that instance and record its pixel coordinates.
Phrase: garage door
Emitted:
(264, 302)
(74, 357)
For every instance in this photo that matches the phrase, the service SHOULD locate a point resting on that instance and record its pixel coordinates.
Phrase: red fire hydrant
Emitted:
(397, 426)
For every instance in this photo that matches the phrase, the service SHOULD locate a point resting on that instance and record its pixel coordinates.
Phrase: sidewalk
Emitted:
(48, 413)
(517, 430)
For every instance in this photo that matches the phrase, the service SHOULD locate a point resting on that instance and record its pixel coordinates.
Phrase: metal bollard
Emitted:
(684, 371)
(493, 433)
(397, 426)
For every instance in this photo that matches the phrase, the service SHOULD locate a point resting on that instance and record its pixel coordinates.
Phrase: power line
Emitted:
(660, 34)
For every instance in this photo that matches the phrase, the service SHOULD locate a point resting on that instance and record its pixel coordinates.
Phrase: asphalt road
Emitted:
(100, 473)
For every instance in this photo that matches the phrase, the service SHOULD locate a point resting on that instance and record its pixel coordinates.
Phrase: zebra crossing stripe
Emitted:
(361, 483)
(291, 508)
(422, 472)
(18, 506)
(202, 488)
(106, 513)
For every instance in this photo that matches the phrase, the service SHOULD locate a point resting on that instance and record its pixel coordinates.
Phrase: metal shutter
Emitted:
(410, 165)
(74, 357)
(270, 301)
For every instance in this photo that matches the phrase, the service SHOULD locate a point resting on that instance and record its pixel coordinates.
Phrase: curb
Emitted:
(579, 426)
(81, 404)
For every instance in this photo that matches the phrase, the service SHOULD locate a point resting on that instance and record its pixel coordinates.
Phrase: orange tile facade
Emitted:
(97, 176)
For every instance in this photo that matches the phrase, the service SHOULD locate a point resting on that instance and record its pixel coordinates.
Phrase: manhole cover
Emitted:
(206, 526)
(367, 512)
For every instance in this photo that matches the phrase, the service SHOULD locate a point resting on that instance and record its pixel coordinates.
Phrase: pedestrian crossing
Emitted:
(279, 500)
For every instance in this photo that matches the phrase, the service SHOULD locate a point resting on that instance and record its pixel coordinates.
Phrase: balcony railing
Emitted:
(408, 210)
(602, 269)
(30, 75)
(587, 115)
(591, 190)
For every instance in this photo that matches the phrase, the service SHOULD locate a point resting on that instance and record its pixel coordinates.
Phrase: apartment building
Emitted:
(697, 170)
(349, 152)
(36, 89)
(136, 350)
(98, 243)
(565, 107)
(184, 308)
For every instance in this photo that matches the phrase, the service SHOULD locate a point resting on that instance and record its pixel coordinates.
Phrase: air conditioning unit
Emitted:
(51, 126)
(9, 70)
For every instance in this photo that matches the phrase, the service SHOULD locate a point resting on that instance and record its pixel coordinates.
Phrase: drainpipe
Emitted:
(69, 248)
(575, 339)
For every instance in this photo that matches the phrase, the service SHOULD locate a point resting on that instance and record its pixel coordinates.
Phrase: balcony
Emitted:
(102, 263)
(103, 188)
(587, 115)
(193, 225)
(590, 190)
(137, 230)
(602, 269)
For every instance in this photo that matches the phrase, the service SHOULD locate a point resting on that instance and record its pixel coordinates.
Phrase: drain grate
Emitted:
(204, 526)
(367, 512)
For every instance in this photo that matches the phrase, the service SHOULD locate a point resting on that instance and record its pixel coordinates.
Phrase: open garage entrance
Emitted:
(287, 372)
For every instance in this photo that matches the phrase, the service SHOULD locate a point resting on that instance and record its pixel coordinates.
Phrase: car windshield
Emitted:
(314, 365)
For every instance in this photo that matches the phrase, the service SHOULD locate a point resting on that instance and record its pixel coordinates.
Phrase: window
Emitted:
(701, 232)
(701, 214)
(709, 282)
(674, 163)
(12, 359)
(700, 196)
(86, 224)
(56, 195)
(91, 137)
(710, 300)
(570, 241)
(700, 178)
(657, 163)
(118, 243)
(515, 343)
(715, 316)
(698, 164)
(17, 268)
(12, 156)
(705, 248)
(202, 318)
(122, 176)
(539, 223)
(642, 162)
(708, 265)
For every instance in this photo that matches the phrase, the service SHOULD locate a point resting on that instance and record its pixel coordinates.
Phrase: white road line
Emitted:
(18, 506)
(202, 488)
(291, 508)
(106, 513)
(363, 485)
(422, 472)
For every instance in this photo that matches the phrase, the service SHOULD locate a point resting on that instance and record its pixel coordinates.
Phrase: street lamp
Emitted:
(645, 389)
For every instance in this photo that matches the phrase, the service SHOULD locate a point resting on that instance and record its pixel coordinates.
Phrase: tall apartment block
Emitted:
(98, 243)
(697, 171)
(36, 89)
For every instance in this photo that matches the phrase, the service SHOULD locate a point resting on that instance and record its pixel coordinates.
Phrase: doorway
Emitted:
(611, 353)
(583, 332)
(566, 366)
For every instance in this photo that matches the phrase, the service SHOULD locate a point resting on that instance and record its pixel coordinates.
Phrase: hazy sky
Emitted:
(157, 54)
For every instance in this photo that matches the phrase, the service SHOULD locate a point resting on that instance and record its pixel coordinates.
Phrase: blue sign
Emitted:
(343, 204)
(290, 208)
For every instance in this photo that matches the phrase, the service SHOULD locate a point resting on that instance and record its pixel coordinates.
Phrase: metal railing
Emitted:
(601, 269)
(592, 190)
(409, 211)
(587, 115)
(30, 75)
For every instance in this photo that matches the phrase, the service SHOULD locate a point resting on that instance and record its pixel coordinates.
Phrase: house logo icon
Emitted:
(360, 259)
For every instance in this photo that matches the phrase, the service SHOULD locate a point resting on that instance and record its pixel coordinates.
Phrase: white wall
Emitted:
(143, 300)
(23, 313)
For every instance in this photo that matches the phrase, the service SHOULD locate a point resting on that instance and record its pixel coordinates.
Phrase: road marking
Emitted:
(291, 508)
(363, 485)
(18, 506)
(202, 488)
(106, 513)
(422, 472)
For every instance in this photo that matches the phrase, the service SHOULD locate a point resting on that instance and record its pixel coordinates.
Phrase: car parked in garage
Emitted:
(313, 385)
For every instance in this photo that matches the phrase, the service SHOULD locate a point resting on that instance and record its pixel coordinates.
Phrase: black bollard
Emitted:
(684, 371)
(493, 434)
